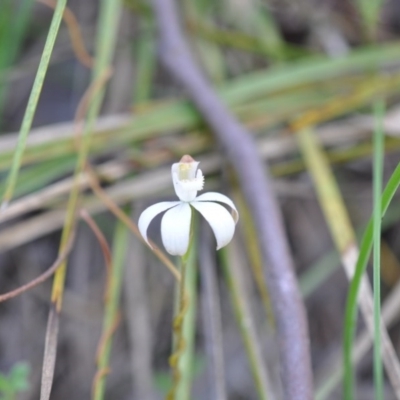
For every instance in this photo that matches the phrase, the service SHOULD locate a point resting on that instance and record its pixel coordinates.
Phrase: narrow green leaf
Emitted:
(379, 110)
(33, 101)
(351, 303)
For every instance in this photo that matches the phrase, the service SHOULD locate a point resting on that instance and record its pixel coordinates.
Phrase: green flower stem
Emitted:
(184, 324)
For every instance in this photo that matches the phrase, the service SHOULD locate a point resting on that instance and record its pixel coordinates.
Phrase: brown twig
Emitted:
(78, 46)
(106, 336)
(44, 276)
(254, 178)
(99, 374)
(113, 207)
(105, 248)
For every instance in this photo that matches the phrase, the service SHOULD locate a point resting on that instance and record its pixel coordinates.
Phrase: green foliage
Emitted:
(16, 381)
(12, 31)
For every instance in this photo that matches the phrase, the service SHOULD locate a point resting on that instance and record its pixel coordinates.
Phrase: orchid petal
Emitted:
(175, 229)
(150, 213)
(214, 196)
(220, 220)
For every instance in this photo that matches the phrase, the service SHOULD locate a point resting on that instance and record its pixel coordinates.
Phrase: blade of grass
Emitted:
(255, 20)
(208, 53)
(390, 313)
(111, 314)
(50, 353)
(250, 238)
(12, 32)
(160, 119)
(345, 241)
(230, 261)
(54, 193)
(365, 251)
(32, 102)
(366, 245)
(379, 111)
(107, 29)
(276, 79)
(38, 176)
(370, 12)
(146, 62)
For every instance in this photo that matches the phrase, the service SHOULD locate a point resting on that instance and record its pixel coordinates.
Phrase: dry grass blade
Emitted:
(110, 15)
(250, 237)
(112, 171)
(50, 353)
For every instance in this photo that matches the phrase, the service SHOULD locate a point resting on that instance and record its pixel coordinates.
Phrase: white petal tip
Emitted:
(149, 214)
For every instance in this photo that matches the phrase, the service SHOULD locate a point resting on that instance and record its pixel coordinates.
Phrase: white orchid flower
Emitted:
(175, 224)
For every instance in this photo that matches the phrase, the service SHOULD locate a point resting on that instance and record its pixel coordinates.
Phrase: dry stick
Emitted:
(105, 248)
(44, 276)
(106, 336)
(292, 330)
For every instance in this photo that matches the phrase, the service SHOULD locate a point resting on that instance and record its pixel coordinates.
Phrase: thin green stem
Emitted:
(184, 324)
(377, 178)
(178, 340)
